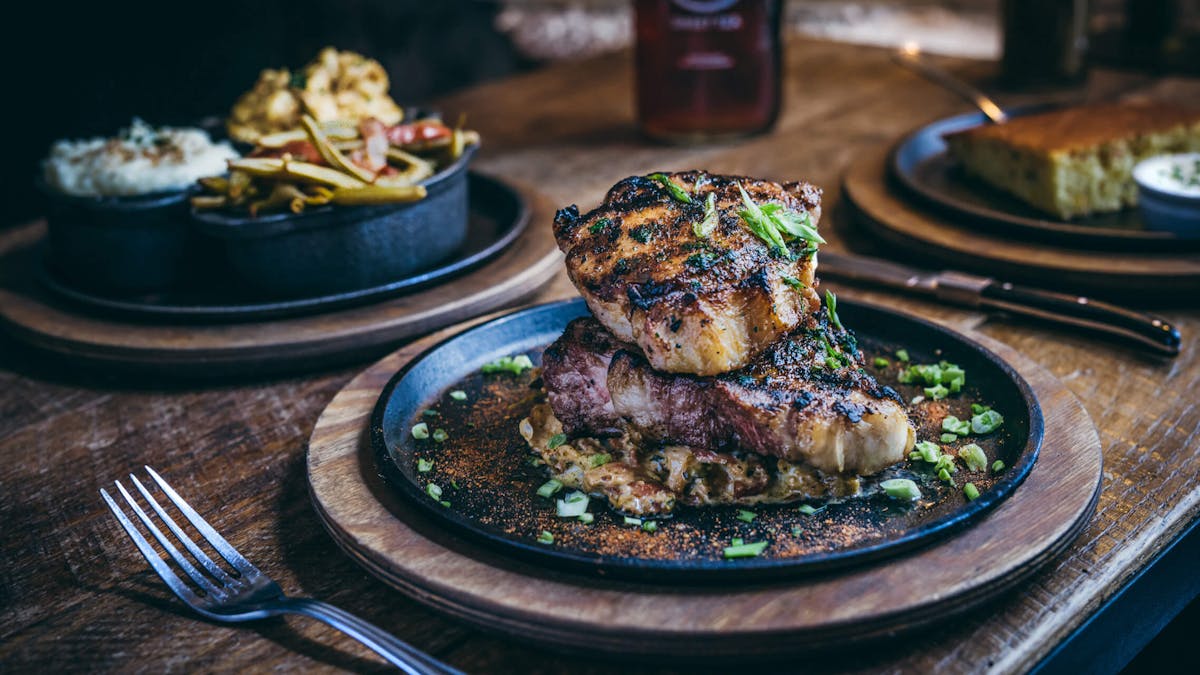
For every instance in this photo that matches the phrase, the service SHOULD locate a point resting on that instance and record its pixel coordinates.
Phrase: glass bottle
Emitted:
(1045, 42)
(707, 69)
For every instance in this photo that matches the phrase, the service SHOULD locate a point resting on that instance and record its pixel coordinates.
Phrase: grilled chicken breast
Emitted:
(805, 400)
(693, 304)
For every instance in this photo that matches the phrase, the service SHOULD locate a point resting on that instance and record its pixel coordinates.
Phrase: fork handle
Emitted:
(399, 653)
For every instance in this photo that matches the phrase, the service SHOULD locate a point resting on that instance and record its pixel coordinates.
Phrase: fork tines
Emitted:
(217, 578)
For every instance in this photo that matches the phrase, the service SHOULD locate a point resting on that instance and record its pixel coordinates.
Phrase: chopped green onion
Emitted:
(831, 309)
(705, 226)
(986, 422)
(971, 491)
(649, 526)
(808, 510)
(433, 490)
(745, 516)
(556, 440)
(973, 455)
(430, 413)
(953, 425)
(445, 503)
(797, 531)
(737, 541)
(545, 537)
(796, 225)
(549, 488)
(901, 488)
(508, 364)
(945, 476)
(997, 466)
(945, 463)
(948, 437)
(672, 187)
(424, 465)
(636, 522)
(902, 355)
(977, 408)
(586, 518)
(928, 451)
(915, 456)
(458, 395)
(936, 392)
(440, 435)
(420, 431)
(571, 506)
(881, 362)
(454, 484)
(793, 282)
(759, 223)
(741, 550)
(917, 399)
(599, 225)
(600, 459)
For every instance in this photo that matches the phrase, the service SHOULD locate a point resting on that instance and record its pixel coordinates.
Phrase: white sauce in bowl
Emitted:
(1173, 174)
(141, 160)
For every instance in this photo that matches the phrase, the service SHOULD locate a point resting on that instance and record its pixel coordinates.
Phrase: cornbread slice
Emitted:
(1075, 161)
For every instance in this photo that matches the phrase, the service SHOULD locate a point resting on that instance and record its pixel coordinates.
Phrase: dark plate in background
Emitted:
(921, 165)
(495, 501)
(498, 215)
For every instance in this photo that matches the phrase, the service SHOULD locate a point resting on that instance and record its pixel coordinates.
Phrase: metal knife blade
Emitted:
(970, 290)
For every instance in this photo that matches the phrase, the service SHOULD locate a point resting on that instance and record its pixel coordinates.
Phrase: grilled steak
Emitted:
(575, 370)
(693, 304)
(805, 399)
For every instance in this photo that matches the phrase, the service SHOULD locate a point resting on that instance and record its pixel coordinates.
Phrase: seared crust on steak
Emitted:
(793, 401)
(692, 305)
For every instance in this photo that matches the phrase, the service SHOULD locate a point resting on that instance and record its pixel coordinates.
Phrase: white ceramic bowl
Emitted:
(1169, 192)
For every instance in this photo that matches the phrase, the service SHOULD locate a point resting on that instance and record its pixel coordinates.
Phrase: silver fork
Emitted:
(243, 592)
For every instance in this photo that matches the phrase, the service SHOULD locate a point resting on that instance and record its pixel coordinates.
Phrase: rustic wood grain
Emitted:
(920, 231)
(408, 551)
(75, 596)
(35, 315)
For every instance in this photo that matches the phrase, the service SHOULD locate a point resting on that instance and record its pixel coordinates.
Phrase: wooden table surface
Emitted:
(73, 593)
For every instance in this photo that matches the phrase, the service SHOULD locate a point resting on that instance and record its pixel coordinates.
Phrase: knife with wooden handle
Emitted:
(969, 290)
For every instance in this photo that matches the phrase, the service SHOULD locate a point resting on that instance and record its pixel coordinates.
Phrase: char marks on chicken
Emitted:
(693, 304)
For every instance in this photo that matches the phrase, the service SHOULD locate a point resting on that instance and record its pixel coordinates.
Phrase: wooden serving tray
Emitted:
(35, 315)
(390, 538)
(898, 223)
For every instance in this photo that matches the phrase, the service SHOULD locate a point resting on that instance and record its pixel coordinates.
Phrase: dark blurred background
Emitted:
(84, 69)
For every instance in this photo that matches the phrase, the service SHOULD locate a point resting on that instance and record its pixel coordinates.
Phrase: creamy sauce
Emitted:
(141, 160)
(1174, 174)
(642, 478)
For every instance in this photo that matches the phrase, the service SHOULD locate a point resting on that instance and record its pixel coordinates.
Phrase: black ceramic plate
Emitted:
(921, 165)
(485, 475)
(498, 215)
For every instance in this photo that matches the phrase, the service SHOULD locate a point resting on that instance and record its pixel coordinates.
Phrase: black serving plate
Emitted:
(497, 216)
(921, 165)
(484, 470)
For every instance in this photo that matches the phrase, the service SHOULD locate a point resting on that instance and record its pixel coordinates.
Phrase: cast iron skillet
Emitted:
(485, 477)
(921, 165)
(498, 215)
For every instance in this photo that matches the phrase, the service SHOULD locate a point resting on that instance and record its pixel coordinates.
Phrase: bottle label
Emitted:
(706, 16)
(705, 6)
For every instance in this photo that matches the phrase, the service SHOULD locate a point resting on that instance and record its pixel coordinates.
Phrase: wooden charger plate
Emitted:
(35, 315)
(395, 542)
(958, 243)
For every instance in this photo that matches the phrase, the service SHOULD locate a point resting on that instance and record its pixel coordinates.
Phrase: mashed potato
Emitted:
(141, 160)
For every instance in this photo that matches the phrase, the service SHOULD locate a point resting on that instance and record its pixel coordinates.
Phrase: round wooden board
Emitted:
(33, 315)
(900, 223)
(380, 531)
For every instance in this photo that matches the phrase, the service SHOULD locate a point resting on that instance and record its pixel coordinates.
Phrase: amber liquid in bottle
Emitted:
(707, 69)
